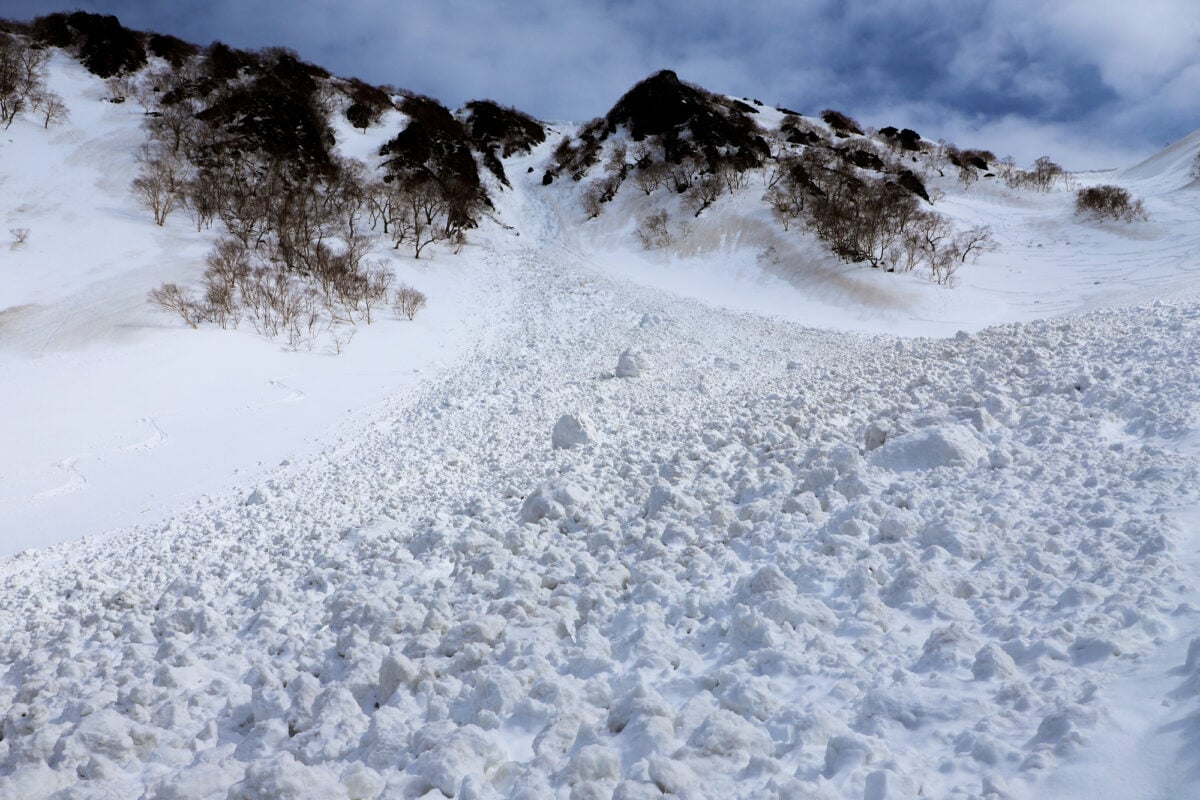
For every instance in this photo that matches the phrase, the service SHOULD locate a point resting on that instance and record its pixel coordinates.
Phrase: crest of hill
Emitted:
(676, 121)
(1175, 166)
(273, 105)
(685, 116)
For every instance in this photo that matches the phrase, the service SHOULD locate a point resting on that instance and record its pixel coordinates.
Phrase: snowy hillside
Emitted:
(728, 518)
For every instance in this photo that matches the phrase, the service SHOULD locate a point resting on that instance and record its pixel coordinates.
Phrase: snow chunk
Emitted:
(554, 500)
(260, 496)
(631, 364)
(594, 762)
(951, 445)
(992, 662)
(572, 430)
(664, 496)
(885, 785)
(283, 776)
(449, 756)
(846, 751)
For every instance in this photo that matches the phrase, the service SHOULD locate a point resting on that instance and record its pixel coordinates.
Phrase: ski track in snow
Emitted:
(796, 564)
(77, 480)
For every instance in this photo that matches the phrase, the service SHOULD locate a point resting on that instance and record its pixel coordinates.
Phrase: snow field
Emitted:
(797, 564)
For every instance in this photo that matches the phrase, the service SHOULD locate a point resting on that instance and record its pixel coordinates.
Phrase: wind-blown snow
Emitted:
(774, 561)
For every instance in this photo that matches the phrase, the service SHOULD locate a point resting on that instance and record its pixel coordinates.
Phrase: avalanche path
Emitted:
(780, 563)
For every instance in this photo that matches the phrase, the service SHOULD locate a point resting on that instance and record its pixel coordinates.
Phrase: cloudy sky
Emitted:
(1092, 83)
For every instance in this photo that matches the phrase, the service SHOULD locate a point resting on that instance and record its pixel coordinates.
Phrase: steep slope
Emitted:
(1172, 168)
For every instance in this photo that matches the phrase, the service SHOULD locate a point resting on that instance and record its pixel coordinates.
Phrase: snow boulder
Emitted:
(631, 364)
(554, 500)
(572, 430)
(949, 445)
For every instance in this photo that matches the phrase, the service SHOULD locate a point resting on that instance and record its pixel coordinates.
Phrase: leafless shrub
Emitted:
(593, 199)
(703, 193)
(650, 175)
(1043, 176)
(947, 255)
(407, 301)
(420, 215)
(734, 179)
(788, 200)
(683, 174)
(161, 181)
(170, 297)
(51, 107)
(19, 236)
(1108, 202)
(654, 231)
(221, 300)
(120, 88)
(340, 337)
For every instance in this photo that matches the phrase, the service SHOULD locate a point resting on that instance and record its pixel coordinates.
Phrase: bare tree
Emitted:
(788, 200)
(420, 208)
(974, 242)
(593, 199)
(407, 301)
(654, 231)
(172, 298)
(1044, 174)
(120, 88)
(684, 173)
(650, 175)
(703, 193)
(50, 106)
(175, 126)
(160, 184)
(377, 281)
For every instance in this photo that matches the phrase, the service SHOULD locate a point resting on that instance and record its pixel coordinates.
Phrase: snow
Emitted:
(838, 533)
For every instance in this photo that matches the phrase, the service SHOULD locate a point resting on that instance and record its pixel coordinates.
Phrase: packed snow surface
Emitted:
(619, 541)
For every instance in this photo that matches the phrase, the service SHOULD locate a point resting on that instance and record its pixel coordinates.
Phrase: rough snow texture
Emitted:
(801, 563)
(731, 597)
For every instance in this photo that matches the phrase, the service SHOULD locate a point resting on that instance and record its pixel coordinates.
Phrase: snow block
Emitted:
(553, 500)
(953, 445)
(631, 364)
(572, 430)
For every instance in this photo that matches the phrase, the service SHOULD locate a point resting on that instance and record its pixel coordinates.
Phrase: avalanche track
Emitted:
(788, 563)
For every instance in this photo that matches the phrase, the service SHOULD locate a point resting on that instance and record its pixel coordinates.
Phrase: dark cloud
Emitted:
(1105, 82)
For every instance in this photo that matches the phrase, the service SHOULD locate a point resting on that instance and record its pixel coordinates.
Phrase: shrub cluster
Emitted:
(1108, 202)
(243, 140)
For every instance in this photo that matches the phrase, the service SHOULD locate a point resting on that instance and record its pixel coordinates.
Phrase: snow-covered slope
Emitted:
(800, 556)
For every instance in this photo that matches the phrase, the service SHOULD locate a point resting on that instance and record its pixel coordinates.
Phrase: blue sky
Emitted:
(1091, 83)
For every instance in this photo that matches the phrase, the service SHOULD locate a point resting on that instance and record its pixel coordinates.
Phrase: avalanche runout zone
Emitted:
(793, 564)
